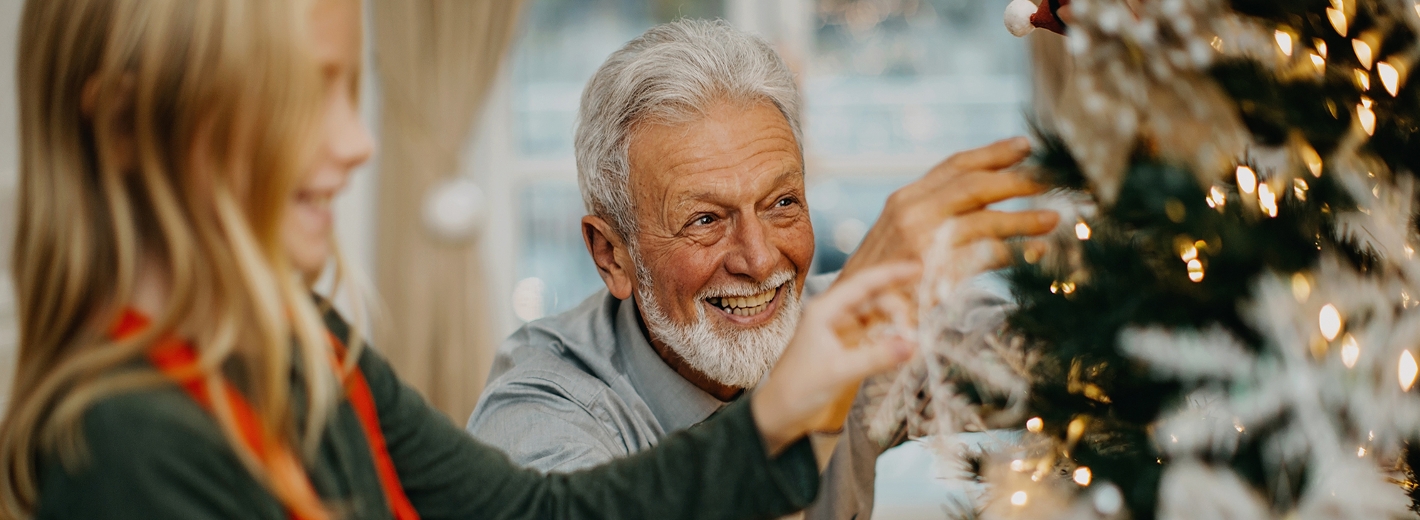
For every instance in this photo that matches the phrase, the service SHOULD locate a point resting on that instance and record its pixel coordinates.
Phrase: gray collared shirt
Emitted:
(583, 387)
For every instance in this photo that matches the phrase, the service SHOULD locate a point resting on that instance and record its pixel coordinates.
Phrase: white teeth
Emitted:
(744, 305)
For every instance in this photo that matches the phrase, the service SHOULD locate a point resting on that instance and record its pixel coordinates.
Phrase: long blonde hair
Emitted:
(212, 105)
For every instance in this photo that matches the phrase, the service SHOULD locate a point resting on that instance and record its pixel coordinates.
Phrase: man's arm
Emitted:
(539, 426)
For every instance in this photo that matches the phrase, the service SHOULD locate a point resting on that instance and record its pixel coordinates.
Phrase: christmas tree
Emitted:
(1227, 327)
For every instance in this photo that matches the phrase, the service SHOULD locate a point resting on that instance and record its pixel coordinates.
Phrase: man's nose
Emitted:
(754, 254)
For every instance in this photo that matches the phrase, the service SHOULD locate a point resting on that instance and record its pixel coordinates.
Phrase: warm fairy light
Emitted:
(1266, 199)
(1409, 251)
(1238, 425)
(1067, 287)
(1330, 321)
(1284, 42)
(1299, 188)
(1075, 430)
(1390, 77)
(1082, 231)
(1360, 452)
(1338, 20)
(1301, 288)
(1018, 465)
(1350, 351)
(1018, 498)
(1217, 44)
(1035, 425)
(1189, 253)
(1247, 179)
(1217, 197)
(1319, 62)
(1367, 117)
(1083, 476)
(1313, 159)
(1195, 270)
(1363, 79)
(1363, 52)
(1320, 45)
(1408, 370)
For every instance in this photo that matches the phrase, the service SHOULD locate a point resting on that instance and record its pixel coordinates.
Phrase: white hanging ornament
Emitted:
(1018, 15)
(454, 210)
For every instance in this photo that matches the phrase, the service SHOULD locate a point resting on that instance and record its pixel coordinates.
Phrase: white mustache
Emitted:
(738, 290)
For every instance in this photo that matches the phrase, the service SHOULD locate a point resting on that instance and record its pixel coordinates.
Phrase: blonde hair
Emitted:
(212, 105)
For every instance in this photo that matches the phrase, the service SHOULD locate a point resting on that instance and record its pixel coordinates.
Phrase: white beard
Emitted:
(737, 358)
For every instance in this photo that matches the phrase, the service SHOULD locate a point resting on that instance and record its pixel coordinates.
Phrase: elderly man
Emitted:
(690, 161)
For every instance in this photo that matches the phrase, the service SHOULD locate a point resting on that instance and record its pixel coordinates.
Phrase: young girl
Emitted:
(178, 159)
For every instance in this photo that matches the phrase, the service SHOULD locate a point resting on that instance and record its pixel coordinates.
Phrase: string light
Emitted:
(1330, 321)
(1350, 351)
(1082, 231)
(1267, 200)
(1075, 430)
(1018, 498)
(1360, 452)
(1299, 188)
(1363, 52)
(1247, 179)
(1390, 77)
(1217, 44)
(1195, 271)
(1217, 198)
(1035, 425)
(1366, 116)
(1320, 45)
(1301, 288)
(1363, 79)
(1018, 465)
(1408, 370)
(1338, 20)
(1083, 476)
(1312, 158)
(1238, 425)
(1319, 62)
(1284, 42)
(1189, 253)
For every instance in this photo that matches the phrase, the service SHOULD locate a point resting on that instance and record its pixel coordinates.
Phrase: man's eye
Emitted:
(704, 220)
(786, 201)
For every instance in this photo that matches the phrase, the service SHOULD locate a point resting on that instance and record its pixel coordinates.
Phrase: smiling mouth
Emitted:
(751, 305)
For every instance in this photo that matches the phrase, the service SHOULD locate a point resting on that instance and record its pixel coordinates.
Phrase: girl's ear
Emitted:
(610, 253)
(111, 105)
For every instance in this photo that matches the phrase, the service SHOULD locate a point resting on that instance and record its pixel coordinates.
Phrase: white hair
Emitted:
(673, 73)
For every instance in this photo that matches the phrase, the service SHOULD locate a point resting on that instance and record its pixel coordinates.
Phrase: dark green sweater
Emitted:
(155, 454)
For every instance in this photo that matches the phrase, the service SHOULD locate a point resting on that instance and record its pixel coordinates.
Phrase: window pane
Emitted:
(913, 77)
(563, 43)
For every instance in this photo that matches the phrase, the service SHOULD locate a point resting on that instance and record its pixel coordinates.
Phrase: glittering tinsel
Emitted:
(1226, 324)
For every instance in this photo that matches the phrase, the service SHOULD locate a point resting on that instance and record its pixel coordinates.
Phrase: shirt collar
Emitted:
(676, 402)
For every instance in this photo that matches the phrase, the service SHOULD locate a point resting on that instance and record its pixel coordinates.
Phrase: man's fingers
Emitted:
(977, 190)
(994, 156)
(845, 296)
(878, 356)
(1001, 225)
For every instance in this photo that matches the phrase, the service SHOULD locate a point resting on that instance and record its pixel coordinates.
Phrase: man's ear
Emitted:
(611, 254)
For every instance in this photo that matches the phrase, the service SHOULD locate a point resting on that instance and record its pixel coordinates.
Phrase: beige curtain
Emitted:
(437, 61)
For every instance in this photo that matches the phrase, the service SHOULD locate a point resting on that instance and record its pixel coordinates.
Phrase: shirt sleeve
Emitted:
(152, 455)
(568, 436)
(718, 470)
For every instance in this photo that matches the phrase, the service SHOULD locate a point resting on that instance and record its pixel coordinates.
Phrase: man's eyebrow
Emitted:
(709, 196)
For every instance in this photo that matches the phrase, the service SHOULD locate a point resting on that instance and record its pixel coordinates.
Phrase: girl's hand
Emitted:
(826, 359)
